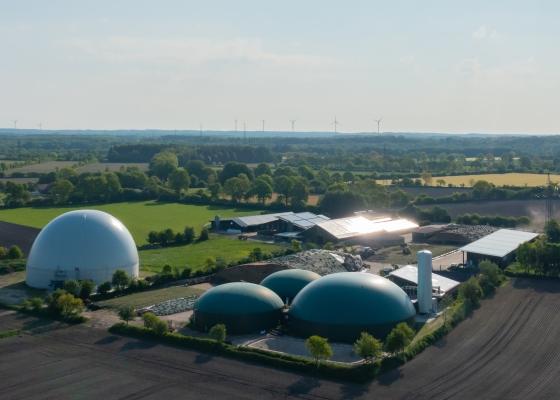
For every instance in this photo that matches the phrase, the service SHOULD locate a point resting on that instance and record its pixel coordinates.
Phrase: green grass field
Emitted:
(142, 217)
(139, 217)
(194, 255)
(149, 297)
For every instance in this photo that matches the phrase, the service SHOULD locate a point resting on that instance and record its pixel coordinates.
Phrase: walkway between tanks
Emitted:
(506, 350)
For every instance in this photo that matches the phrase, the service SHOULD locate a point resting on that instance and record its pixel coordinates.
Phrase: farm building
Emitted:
(360, 230)
(271, 223)
(289, 282)
(82, 244)
(498, 247)
(243, 307)
(407, 277)
(340, 306)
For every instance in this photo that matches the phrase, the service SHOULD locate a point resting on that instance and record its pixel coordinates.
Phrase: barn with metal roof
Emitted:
(277, 222)
(498, 247)
(359, 229)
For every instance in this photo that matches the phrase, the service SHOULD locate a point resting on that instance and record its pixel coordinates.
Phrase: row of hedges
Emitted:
(328, 370)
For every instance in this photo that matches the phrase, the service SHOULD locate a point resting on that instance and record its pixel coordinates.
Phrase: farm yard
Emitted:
(142, 217)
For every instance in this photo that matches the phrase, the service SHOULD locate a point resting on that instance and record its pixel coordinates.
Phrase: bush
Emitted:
(367, 347)
(218, 332)
(319, 348)
(120, 279)
(470, 292)
(14, 253)
(86, 289)
(73, 287)
(399, 338)
(204, 235)
(104, 288)
(126, 313)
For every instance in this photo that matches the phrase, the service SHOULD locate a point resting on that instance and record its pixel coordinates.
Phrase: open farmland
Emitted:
(111, 167)
(149, 297)
(507, 350)
(42, 168)
(534, 209)
(509, 179)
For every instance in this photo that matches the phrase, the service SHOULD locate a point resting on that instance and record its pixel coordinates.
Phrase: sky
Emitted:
(420, 66)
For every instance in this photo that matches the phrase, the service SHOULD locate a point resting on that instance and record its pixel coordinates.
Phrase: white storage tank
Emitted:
(424, 292)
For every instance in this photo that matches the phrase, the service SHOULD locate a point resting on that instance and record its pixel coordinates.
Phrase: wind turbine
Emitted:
(263, 125)
(378, 123)
(236, 125)
(15, 123)
(244, 130)
(40, 125)
(200, 130)
(335, 123)
(293, 121)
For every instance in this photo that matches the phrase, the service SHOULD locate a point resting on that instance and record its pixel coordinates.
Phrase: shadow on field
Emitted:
(137, 345)
(541, 285)
(390, 377)
(108, 340)
(303, 386)
(350, 391)
(203, 358)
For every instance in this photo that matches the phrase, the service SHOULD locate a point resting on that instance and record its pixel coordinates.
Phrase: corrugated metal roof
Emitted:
(409, 273)
(252, 220)
(499, 243)
(344, 228)
(303, 220)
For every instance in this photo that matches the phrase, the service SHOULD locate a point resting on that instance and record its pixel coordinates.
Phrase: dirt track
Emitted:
(507, 350)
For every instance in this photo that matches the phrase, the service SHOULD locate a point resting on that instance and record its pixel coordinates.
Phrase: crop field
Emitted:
(111, 167)
(20, 181)
(510, 179)
(142, 217)
(44, 167)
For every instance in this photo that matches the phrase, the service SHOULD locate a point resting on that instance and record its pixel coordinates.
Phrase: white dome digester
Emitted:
(81, 244)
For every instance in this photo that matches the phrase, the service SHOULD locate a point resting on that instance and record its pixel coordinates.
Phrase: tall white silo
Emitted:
(424, 258)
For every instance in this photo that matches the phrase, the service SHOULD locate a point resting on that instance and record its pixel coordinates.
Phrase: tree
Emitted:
(60, 191)
(296, 246)
(188, 235)
(218, 332)
(64, 304)
(86, 289)
(368, 347)
(492, 272)
(164, 163)
(233, 169)
(14, 253)
(283, 185)
(204, 235)
(152, 322)
(427, 178)
(215, 190)
(120, 279)
(237, 187)
(470, 292)
(126, 313)
(153, 237)
(262, 189)
(299, 192)
(73, 287)
(263, 169)
(104, 288)
(209, 264)
(319, 348)
(552, 230)
(399, 338)
(179, 180)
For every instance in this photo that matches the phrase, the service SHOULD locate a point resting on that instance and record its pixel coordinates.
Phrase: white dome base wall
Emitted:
(82, 244)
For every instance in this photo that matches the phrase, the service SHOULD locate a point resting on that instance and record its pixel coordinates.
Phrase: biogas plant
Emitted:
(338, 306)
(92, 245)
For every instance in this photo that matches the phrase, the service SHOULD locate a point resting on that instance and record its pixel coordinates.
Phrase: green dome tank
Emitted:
(243, 307)
(289, 282)
(340, 306)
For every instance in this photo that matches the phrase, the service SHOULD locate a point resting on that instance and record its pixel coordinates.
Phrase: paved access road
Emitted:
(507, 350)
